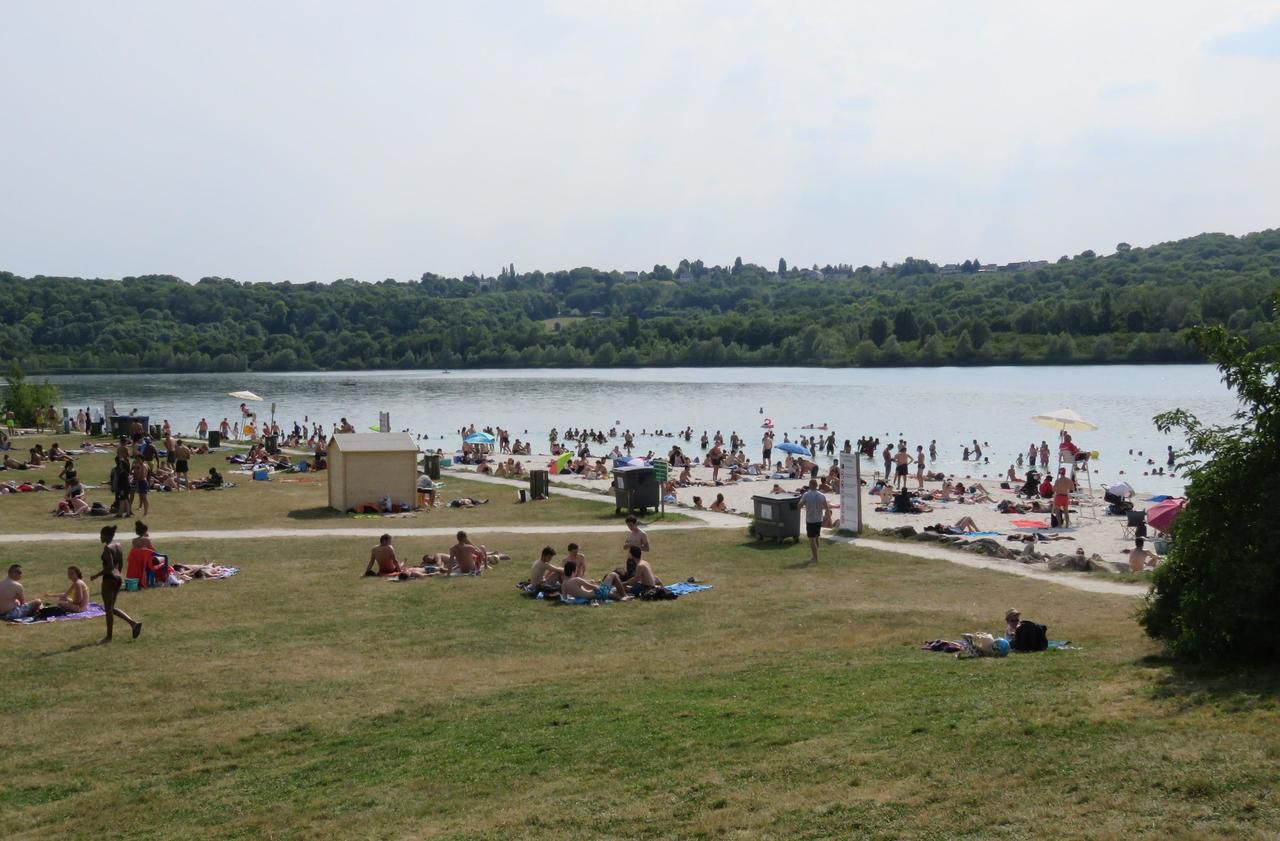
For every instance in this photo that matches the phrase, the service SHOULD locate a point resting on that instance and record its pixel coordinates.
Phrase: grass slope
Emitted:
(298, 701)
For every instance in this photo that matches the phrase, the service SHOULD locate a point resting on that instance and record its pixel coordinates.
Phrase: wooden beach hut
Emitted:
(365, 467)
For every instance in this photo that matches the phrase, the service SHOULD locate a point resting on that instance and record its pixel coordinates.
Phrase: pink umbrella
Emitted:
(1162, 515)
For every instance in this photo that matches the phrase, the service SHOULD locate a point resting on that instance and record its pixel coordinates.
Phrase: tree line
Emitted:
(1131, 306)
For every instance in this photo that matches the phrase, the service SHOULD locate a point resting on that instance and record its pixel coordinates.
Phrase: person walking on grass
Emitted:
(816, 507)
(112, 564)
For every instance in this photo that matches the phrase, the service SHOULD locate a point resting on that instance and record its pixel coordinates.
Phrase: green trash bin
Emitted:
(431, 466)
(539, 484)
(215, 439)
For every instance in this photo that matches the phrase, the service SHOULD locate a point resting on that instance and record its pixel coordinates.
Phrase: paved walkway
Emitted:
(698, 520)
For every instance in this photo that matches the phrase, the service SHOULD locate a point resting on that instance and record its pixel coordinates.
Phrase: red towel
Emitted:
(1030, 524)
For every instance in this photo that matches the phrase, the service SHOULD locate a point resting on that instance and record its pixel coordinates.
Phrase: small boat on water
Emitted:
(446, 372)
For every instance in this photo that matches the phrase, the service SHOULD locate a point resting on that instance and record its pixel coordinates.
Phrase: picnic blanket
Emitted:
(684, 587)
(93, 612)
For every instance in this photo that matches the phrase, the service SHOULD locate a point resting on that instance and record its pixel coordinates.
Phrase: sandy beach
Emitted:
(1101, 536)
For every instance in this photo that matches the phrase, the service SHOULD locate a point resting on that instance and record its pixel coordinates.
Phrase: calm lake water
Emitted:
(952, 405)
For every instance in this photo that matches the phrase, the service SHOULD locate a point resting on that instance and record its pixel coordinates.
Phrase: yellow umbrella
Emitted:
(1064, 419)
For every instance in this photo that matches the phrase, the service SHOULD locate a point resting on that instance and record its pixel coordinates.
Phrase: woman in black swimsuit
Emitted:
(112, 563)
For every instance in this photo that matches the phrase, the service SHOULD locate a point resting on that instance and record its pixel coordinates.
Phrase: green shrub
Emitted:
(1215, 595)
(23, 398)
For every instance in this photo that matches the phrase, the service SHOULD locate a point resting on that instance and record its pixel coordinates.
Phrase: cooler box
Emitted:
(777, 516)
(635, 488)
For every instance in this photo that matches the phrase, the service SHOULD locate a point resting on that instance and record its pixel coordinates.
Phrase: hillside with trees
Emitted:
(1130, 306)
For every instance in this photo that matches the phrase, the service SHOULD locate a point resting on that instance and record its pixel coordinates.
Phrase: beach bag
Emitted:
(1054, 521)
(1030, 636)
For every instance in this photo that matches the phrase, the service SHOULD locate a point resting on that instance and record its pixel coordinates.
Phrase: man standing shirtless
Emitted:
(384, 555)
(1062, 488)
(182, 464)
(635, 537)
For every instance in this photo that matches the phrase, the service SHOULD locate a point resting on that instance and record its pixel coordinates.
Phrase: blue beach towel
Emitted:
(1159, 498)
(685, 587)
(981, 534)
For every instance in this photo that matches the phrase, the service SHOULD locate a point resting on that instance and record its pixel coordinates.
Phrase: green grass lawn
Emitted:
(287, 501)
(297, 700)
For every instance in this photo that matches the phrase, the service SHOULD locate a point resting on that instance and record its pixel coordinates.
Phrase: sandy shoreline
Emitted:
(1102, 536)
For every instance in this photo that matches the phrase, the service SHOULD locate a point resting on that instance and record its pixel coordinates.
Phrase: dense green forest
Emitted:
(1126, 307)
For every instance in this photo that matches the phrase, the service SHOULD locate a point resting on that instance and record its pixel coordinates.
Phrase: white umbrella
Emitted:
(1061, 419)
(244, 395)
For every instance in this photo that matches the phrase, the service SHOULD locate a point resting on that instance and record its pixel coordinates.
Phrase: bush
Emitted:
(23, 398)
(1215, 595)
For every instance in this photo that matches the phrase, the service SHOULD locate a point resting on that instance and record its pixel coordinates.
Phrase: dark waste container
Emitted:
(777, 516)
(96, 427)
(123, 424)
(539, 484)
(431, 466)
(215, 439)
(154, 430)
(635, 488)
(272, 443)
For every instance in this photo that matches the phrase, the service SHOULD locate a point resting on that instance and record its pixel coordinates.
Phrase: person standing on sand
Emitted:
(112, 563)
(887, 455)
(903, 463)
(766, 446)
(1062, 488)
(920, 467)
(816, 507)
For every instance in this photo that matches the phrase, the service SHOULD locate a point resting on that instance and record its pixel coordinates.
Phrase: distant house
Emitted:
(812, 274)
(950, 268)
(988, 267)
(632, 276)
(596, 314)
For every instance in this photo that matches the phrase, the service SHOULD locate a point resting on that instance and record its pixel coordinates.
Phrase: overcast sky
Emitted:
(312, 141)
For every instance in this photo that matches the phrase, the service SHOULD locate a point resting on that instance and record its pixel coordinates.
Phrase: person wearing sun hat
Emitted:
(1011, 619)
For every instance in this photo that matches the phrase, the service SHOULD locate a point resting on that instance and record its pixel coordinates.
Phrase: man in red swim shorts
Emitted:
(1062, 488)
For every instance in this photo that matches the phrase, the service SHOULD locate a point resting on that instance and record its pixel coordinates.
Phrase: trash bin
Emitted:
(777, 516)
(96, 427)
(539, 484)
(122, 425)
(431, 466)
(215, 439)
(155, 431)
(635, 488)
(272, 443)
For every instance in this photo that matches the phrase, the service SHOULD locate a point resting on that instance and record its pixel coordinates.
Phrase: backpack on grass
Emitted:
(1030, 636)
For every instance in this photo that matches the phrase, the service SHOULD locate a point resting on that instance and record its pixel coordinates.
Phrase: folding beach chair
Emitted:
(1135, 525)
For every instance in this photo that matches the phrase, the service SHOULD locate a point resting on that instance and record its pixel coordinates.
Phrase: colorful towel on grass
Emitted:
(684, 587)
(1030, 524)
(1062, 645)
(226, 572)
(981, 534)
(95, 611)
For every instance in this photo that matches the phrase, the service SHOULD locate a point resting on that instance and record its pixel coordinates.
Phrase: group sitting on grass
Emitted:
(463, 558)
(569, 584)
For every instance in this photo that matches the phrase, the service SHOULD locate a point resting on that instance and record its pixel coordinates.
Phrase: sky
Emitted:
(310, 141)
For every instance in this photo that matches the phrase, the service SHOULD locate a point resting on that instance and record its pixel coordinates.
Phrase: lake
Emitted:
(950, 405)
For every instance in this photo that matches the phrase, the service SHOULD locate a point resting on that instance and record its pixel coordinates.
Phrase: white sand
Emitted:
(1102, 536)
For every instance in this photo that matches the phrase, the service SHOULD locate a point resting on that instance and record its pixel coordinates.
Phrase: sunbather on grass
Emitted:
(544, 576)
(384, 555)
(583, 590)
